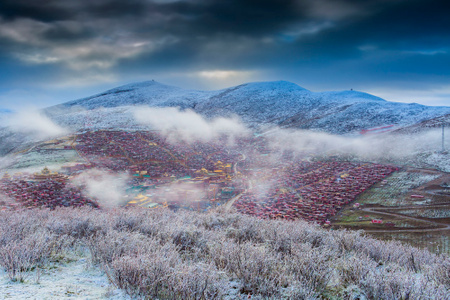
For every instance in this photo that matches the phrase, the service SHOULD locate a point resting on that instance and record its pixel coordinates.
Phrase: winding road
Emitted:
(230, 202)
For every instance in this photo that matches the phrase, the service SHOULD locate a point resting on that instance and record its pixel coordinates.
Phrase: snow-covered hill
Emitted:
(258, 104)
(144, 93)
(278, 103)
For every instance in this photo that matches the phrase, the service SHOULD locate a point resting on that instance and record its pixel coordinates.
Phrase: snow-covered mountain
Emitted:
(144, 93)
(260, 105)
(277, 103)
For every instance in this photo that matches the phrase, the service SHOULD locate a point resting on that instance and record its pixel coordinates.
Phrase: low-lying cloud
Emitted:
(35, 124)
(187, 125)
(105, 187)
(371, 147)
(181, 192)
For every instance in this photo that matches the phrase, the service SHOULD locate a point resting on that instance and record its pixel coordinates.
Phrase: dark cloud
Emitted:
(342, 41)
(46, 11)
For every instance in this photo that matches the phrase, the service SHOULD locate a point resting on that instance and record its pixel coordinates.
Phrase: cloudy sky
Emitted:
(53, 51)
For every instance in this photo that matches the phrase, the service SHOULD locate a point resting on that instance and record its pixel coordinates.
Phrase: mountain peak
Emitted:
(143, 85)
(274, 85)
(352, 95)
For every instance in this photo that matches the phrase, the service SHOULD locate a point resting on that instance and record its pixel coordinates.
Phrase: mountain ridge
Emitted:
(273, 103)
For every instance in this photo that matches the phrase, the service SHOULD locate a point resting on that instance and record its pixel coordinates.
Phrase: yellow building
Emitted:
(46, 174)
(6, 177)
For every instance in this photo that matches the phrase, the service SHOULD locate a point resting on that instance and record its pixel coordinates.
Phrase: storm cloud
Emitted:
(398, 45)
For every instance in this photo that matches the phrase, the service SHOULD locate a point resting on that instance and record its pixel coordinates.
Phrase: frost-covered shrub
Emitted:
(193, 281)
(354, 269)
(301, 290)
(157, 223)
(79, 223)
(213, 222)
(19, 256)
(17, 226)
(259, 270)
(245, 229)
(126, 220)
(188, 239)
(146, 273)
(312, 265)
(160, 254)
(105, 248)
(391, 283)
(439, 271)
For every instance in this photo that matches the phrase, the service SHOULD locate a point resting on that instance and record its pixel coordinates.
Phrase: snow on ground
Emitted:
(35, 160)
(438, 160)
(74, 279)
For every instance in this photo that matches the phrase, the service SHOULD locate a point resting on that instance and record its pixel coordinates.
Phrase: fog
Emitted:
(191, 127)
(372, 147)
(182, 192)
(6, 161)
(188, 126)
(35, 124)
(105, 187)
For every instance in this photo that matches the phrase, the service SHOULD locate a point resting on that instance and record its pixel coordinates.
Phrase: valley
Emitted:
(249, 176)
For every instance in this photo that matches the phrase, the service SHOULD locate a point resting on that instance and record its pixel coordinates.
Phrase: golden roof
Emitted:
(46, 173)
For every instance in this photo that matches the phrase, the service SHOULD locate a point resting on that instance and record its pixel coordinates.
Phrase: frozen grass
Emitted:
(159, 254)
(395, 192)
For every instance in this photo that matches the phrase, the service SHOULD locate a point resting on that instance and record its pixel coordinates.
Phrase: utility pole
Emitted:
(443, 145)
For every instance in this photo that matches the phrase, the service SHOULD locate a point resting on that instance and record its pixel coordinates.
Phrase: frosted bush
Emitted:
(19, 256)
(146, 273)
(355, 268)
(314, 266)
(197, 281)
(160, 254)
(105, 248)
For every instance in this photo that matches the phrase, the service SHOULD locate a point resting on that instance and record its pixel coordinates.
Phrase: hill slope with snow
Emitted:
(258, 104)
(277, 103)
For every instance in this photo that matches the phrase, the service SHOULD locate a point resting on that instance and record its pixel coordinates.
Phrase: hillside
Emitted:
(159, 254)
(259, 105)
(425, 125)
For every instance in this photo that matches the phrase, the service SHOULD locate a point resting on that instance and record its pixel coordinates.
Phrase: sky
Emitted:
(52, 51)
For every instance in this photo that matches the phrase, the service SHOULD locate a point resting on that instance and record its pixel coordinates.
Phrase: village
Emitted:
(44, 189)
(247, 176)
(312, 191)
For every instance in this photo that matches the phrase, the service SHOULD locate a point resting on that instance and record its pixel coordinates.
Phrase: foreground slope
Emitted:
(159, 254)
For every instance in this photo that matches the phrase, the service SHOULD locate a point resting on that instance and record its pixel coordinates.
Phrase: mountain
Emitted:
(277, 103)
(144, 93)
(260, 105)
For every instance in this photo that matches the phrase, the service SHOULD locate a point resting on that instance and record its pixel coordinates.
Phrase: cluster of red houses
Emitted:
(48, 193)
(278, 185)
(312, 191)
(150, 152)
